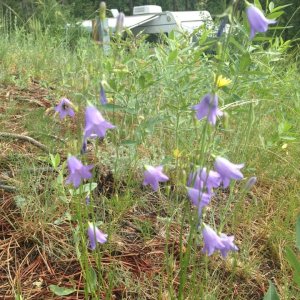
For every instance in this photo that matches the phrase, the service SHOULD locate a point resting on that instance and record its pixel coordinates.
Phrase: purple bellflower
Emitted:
(195, 181)
(228, 244)
(95, 235)
(103, 99)
(201, 179)
(154, 175)
(64, 108)
(95, 123)
(257, 21)
(199, 199)
(83, 147)
(78, 171)
(211, 180)
(228, 170)
(208, 107)
(212, 242)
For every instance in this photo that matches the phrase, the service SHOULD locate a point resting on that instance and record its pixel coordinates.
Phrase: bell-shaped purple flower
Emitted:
(103, 99)
(257, 21)
(64, 108)
(78, 171)
(227, 241)
(208, 107)
(95, 123)
(154, 175)
(211, 180)
(199, 199)
(95, 235)
(212, 242)
(195, 181)
(228, 170)
(201, 179)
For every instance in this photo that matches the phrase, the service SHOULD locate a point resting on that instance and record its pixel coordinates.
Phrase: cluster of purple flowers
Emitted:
(201, 183)
(200, 191)
(208, 106)
(95, 126)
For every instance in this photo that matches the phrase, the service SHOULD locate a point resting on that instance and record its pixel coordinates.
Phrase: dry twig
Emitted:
(24, 138)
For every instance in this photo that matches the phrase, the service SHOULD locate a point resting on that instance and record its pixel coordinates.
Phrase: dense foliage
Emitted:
(61, 11)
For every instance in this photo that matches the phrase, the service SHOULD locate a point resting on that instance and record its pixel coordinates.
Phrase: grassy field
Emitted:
(153, 249)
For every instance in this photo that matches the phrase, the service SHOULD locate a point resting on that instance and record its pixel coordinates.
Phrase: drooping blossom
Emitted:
(95, 123)
(257, 21)
(227, 241)
(195, 181)
(78, 171)
(203, 179)
(222, 26)
(199, 199)
(208, 107)
(83, 147)
(95, 235)
(154, 175)
(212, 242)
(211, 179)
(228, 170)
(103, 99)
(64, 108)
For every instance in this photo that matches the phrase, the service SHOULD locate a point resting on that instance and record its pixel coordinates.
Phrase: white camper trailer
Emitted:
(150, 19)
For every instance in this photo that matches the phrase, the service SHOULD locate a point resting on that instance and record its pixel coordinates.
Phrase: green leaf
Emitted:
(287, 138)
(61, 291)
(55, 160)
(245, 62)
(112, 107)
(129, 142)
(257, 4)
(271, 6)
(281, 7)
(295, 264)
(173, 55)
(237, 44)
(298, 233)
(91, 278)
(86, 188)
(272, 293)
(275, 15)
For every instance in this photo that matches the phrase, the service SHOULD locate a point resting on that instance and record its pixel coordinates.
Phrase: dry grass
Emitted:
(35, 255)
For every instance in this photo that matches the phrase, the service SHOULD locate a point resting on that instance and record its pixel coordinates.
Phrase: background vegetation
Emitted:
(64, 11)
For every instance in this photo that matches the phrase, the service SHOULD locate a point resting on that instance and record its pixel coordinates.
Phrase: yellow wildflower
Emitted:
(177, 153)
(222, 81)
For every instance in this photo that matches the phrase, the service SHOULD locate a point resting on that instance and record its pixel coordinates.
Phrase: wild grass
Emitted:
(151, 89)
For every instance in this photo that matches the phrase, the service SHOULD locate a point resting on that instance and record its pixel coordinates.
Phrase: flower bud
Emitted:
(120, 22)
(102, 10)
